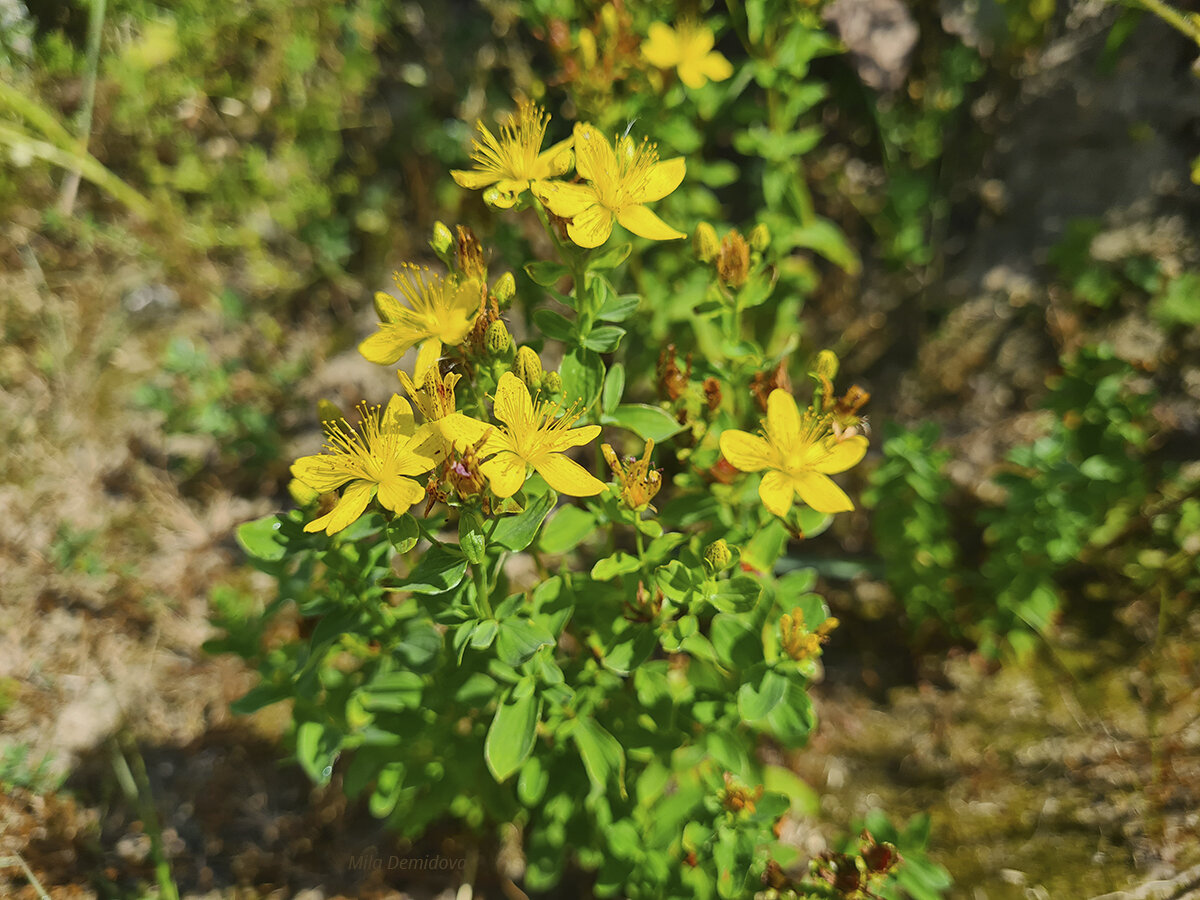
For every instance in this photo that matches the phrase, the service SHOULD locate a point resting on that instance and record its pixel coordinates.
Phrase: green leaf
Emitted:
(392, 692)
(316, 750)
(511, 736)
(792, 721)
(618, 308)
(630, 648)
(438, 570)
(568, 528)
(531, 786)
(614, 386)
(403, 533)
(610, 257)
(470, 536)
(545, 273)
(484, 633)
(553, 325)
(520, 638)
(827, 239)
(602, 755)
(261, 695)
(517, 532)
(738, 594)
(736, 642)
(620, 563)
(674, 580)
(756, 703)
(388, 787)
(258, 538)
(805, 802)
(650, 423)
(582, 373)
(604, 339)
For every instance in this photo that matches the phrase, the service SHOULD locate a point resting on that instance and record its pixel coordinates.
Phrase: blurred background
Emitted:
(198, 199)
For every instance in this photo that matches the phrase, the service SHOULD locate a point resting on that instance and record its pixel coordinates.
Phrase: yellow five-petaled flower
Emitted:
(514, 161)
(378, 462)
(688, 49)
(799, 452)
(619, 185)
(440, 311)
(532, 436)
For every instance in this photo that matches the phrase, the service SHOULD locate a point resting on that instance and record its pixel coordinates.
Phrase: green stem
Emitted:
(425, 533)
(1173, 17)
(481, 592)
(70, 186)
(136, 786)
(89, 167)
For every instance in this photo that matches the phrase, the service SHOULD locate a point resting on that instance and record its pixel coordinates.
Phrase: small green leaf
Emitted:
(317, 750)
(647, 422)
(392, 692)
(519, 639)
(259, 538)
(511, 736)
(388, 787)
(614, 387)
(602, 754)
(484, 633)
(531, 786)
(619, 308)
(439, 569)
(620, 563)
(610, 257)
(553, 325)
(517, 532)
(403, 533)
(738, 594)
(756, 703)
(604, 339)
(470, 536)
(568, 528)
(582, 373)
(545, 273)
(674, 580)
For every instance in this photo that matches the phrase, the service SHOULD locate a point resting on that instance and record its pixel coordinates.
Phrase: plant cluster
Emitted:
(598, 672)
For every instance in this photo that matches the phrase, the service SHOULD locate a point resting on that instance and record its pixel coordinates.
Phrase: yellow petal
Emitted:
(783, 421)
(574, 437)
(555, 161)
(385, 346)
(591, 228)
(319, 472)
(513, 405)
(398, 494)
(819, 492)
(644, 223)
(594, 157)
(505, 472)
(661, 49)
(565, 200)
(431, 351)
(747, 452)
(354, 500)
(716, 67)
(398, 417)
(473, 181)
(663, 178)
(462, 431)
(566, 476)
(388, 307)
(691, 73)
(842, 456)
(776, 492)
(697, 43)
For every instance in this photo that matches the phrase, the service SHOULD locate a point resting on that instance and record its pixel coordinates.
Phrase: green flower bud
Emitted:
(705, 242)
(760, 238)
(552, 383)
(528, 367)
(717, 556)
(827, 365)
(497, 339)
(442, 240)
(504, 288)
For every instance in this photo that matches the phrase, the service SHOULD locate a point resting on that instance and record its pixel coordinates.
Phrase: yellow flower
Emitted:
(688, 49)
(513, 162)
(619, 185)
(799, 452)
(440, 311)
(531, 436)
(435, 400)
(378, 462)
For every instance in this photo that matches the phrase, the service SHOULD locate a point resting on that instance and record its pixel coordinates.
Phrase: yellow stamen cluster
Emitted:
(798, 642)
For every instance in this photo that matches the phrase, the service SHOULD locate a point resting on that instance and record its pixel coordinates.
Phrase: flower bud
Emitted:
(469, 254)
(704, 240)
(442, 239)
(717, 556)
(504, 288)
(552, 383)
(528, 367)
(826, 367)
(497, 339)
(760, 238)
